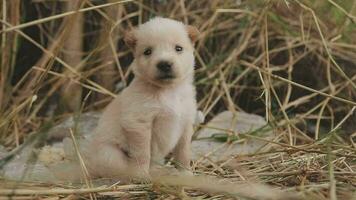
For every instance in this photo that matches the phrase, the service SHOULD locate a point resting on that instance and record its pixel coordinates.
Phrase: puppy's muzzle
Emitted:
(165, 70)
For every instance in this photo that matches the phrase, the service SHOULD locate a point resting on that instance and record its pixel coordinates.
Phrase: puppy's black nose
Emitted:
(164, 66)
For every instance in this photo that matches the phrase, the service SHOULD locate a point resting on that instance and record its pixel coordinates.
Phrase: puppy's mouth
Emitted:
(166, 77)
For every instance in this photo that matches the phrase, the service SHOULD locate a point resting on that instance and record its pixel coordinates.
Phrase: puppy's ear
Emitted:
(130, 39)
(193, 33)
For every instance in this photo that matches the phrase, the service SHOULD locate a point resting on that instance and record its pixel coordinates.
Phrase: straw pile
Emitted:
(293, 62)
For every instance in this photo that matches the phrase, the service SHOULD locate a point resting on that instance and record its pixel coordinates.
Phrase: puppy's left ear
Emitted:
(193, 33)
(130, 39)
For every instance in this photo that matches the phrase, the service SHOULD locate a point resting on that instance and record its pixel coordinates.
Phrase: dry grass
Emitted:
(293, 62)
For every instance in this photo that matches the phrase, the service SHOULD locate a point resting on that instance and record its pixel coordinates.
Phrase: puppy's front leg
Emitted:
(182, 151)
(139, 150)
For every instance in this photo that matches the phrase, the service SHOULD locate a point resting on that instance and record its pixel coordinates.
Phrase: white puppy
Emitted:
(154, 115)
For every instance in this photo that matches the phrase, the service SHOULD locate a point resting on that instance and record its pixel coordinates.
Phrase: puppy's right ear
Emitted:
(130, 39)
(193, 33)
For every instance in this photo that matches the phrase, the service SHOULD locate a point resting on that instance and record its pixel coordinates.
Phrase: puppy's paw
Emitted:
(158, 170)
(142, 177)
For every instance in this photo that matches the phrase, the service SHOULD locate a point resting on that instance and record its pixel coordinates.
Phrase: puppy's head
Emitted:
(163, 50)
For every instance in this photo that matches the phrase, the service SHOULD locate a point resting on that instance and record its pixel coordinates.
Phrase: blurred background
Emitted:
(291, 61)
(55, 54)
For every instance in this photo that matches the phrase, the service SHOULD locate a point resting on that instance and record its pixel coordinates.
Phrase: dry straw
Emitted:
(293, 62)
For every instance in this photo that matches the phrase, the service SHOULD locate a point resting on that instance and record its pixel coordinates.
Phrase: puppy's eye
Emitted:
(147, 51)
(178, 48)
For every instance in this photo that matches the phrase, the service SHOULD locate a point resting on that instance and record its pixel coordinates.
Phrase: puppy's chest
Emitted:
(169, 124)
